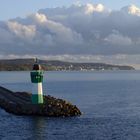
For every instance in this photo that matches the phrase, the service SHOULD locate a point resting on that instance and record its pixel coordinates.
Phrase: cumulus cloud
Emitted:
(90, 8)
(41, 18)
(90, 29)
(118, 39)
(132, 9)
(22, 31)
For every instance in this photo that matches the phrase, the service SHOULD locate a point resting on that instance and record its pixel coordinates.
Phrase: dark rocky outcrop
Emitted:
(19, 103)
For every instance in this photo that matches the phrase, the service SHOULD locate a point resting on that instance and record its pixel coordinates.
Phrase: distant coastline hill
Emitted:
(54, 65)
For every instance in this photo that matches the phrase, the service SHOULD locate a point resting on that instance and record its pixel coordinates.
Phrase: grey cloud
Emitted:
(79, 29)
(118, 39)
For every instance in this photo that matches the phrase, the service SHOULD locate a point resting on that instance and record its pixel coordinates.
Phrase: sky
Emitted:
(14, 8)
(81, 31)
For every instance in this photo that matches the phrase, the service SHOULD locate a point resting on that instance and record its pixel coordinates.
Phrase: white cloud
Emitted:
(90, 8)
(131, 10)
(40, 18)
(53, 32)
(63, 34)
(22, 31)
(134, 10)
(89, 29)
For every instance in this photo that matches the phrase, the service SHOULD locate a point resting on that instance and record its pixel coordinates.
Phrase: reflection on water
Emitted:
(38, 127)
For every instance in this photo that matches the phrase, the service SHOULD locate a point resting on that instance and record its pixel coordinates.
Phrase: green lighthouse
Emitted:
(37, 79)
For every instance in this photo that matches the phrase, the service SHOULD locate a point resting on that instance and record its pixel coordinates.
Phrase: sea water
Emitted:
(109, 101)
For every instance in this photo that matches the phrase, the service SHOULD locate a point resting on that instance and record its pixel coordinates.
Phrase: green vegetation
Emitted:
(26, 65)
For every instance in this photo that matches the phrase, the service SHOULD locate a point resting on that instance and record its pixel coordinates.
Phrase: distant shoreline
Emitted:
(55, 65)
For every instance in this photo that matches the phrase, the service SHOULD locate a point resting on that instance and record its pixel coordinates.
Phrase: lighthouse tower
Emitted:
(37, 79)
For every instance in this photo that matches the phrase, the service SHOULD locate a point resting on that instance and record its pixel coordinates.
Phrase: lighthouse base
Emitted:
(37, 99)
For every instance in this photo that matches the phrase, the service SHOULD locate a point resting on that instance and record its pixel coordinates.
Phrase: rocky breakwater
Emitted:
(19, 103)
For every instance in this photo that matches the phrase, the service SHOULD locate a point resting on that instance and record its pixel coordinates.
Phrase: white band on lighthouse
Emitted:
(37, 93)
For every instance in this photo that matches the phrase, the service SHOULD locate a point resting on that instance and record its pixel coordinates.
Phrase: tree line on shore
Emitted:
(54, 65)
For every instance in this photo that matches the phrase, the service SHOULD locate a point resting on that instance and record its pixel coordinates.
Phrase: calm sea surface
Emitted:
(110, 102)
